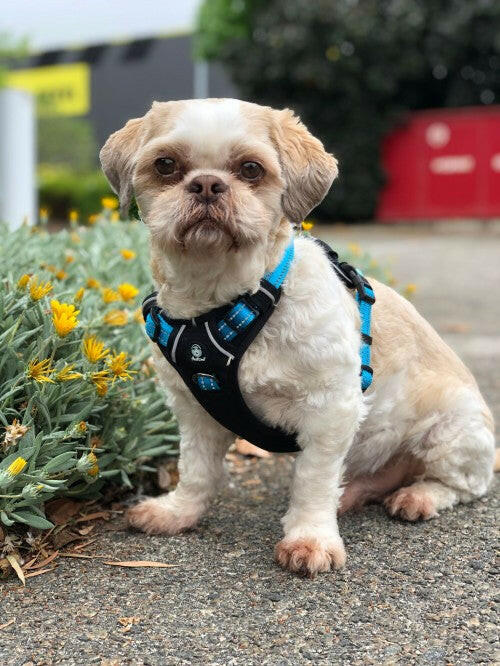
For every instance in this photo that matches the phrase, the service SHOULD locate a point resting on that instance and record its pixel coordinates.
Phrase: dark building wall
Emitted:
(127, 78)
(125, 83)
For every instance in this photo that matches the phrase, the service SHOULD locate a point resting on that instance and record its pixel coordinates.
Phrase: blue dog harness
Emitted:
(206, 351)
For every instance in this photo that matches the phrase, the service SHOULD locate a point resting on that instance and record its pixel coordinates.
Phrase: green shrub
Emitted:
(67, 142)
(60, 190)
(68, 434)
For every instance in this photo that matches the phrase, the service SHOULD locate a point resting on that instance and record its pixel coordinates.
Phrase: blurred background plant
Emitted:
(79, 405)
(62, 189)
(353, 70)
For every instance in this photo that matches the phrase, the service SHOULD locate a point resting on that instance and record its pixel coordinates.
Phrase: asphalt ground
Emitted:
(409, 594)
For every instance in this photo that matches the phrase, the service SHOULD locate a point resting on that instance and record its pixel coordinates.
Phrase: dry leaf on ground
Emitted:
(40, 572)
(141, 563)
(105, 515)
(17, 568)
(83, 557)
(60, 511)
(83, 531)
(30, 566)
(65, 537)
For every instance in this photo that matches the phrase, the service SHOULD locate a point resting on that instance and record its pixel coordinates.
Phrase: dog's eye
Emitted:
(165, 166)
(251, 170)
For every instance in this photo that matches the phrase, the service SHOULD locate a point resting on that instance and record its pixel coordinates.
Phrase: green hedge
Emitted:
(61, 190)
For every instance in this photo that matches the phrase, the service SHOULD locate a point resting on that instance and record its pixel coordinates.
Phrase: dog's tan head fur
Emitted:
(216, 174)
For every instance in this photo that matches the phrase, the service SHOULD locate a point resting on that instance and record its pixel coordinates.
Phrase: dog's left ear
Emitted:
(307, 168)
(117, 160)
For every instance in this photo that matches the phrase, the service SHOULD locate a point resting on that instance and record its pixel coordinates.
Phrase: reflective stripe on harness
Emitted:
(206, 351)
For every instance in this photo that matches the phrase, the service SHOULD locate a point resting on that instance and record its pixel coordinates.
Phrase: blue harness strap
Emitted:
(365, 314)
(206, 351)
(241, 314)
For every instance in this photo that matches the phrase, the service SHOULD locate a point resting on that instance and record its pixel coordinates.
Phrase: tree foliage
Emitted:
(353, 69)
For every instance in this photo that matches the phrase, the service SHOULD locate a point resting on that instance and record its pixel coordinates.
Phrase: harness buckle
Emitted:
(359, 283)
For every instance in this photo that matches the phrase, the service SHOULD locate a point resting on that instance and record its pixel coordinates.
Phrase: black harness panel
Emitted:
(206, 351)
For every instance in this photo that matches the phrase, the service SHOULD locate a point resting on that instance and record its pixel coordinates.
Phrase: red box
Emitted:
(443, 164)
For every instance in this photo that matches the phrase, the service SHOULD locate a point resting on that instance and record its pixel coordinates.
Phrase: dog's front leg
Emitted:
(312, 542)
(203, 446)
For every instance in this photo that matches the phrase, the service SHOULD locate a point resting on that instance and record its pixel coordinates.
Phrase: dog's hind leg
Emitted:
(458, 455)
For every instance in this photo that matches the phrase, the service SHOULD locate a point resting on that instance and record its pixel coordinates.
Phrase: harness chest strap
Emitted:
(206, 351)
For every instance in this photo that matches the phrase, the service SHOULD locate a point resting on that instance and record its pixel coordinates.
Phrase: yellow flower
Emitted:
(101, 380)
(109, 203)
(307, 226)
(23, 281)
(61, 275)
(332, 53)
(73, 216)
(92, 458)
(92, 283)
(63, 317)
(82, 426)
(75, 238)
(39, 289)
(354, 249)
(94, 349)
(128, 254)
(66, 374)
(138, 316)
(110, 295)
(127, 291)
(116, 318)
(115, 216)
(16, 467)
(118, 366)
(63, 308)
(92, 219)
(409, 290)
(79, 295)
(43, 213)
(40, 370)
(69, 259)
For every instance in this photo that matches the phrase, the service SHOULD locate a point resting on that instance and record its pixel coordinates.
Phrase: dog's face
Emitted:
(216, 174)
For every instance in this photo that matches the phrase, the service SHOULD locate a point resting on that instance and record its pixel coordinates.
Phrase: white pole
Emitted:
(17, 157)
(200, 79)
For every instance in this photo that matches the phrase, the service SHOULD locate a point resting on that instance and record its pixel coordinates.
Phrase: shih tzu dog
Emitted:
(220, 184)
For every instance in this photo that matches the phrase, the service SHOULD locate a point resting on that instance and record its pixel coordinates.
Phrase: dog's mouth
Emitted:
(207, 228)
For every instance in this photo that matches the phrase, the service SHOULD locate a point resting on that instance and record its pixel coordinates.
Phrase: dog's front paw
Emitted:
(308, 557)
(154, 517)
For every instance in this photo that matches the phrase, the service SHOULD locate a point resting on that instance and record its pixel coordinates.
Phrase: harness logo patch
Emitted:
(197, 353)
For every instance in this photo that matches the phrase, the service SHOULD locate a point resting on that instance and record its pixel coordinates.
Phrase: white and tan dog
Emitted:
(219, 183)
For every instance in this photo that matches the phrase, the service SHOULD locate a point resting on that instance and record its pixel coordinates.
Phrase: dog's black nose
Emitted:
(207, 188)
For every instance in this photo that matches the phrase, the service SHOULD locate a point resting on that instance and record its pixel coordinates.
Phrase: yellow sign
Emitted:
(60, 90)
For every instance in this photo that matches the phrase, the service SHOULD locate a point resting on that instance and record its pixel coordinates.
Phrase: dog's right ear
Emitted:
(117, 160)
